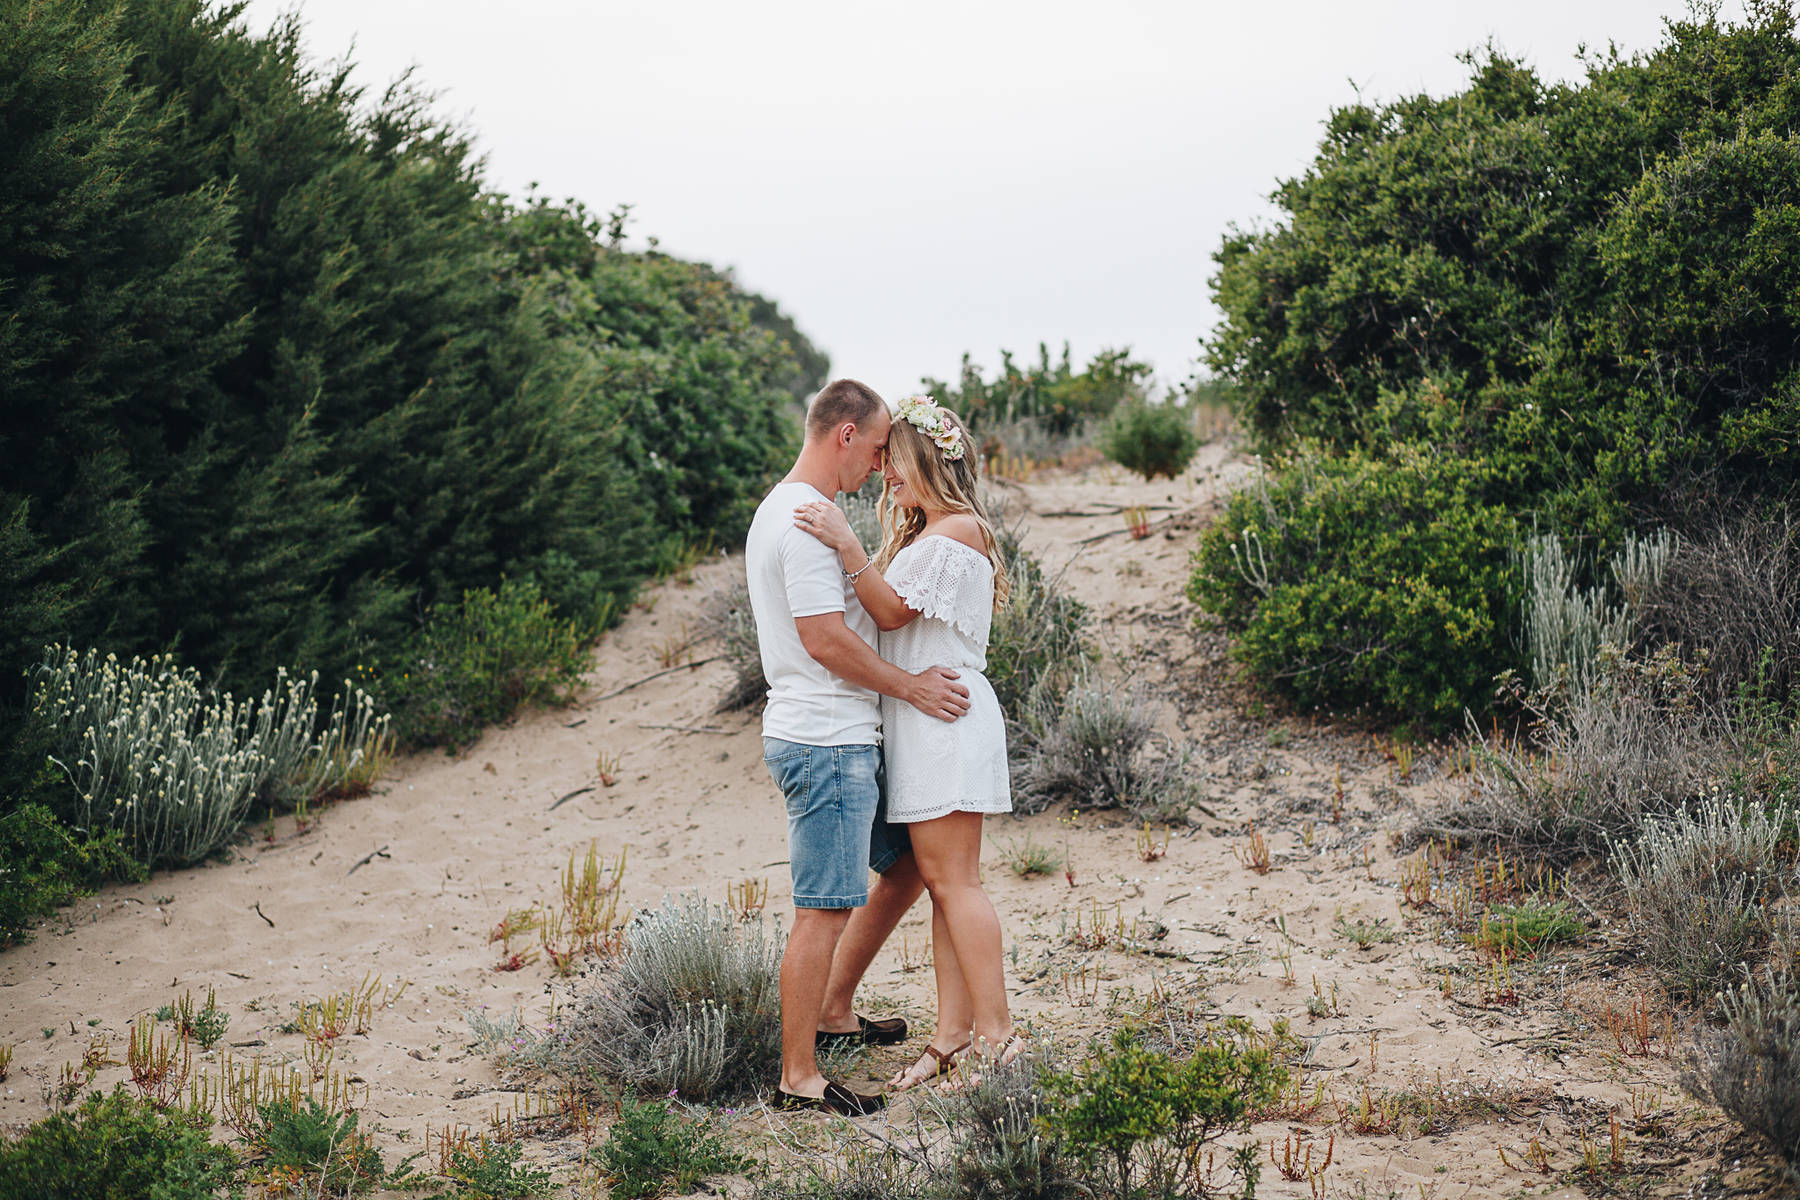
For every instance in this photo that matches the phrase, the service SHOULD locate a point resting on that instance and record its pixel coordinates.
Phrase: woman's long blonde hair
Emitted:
(938, 483)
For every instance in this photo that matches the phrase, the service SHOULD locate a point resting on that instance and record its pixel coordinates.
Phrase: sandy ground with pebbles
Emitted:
(406, 884)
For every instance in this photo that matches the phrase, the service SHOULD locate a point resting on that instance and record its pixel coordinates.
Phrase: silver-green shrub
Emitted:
(693, 1005)
(1096, 746)
(177, 767)
(1699, 883)
(1566, 625)
(1751, 1068)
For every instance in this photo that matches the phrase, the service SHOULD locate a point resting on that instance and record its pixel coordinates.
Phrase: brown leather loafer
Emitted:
(889, 1031)
(837, 1100)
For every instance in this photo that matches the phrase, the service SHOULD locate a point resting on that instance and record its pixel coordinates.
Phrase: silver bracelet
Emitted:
(851, 575)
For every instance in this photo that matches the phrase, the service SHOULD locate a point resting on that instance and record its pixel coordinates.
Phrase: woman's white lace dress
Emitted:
(936, 767)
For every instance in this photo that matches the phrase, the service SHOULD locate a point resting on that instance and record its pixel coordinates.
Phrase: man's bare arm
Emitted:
(933, 691)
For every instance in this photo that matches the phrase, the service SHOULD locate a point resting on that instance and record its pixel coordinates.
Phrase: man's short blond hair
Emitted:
(838, 402)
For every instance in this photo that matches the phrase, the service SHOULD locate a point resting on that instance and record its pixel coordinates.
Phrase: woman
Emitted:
(937, 581)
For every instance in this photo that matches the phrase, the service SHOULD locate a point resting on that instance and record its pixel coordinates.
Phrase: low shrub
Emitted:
(1039, 639)
(727, 620)
(491, 1171)
(175, 767)
(304, 1142)
(857, 1171)
(1095, 745)
(692, 1006)
(45, 864)
(1377, 580)
(1699, 885)
(1751, 1067)
(589, 598)
(476, 662)
(1005, 1147)
(1141, 1121)
(1731, 599)
(1595, 765)
(653, 1151)
(1051, 395)
(1151, 439)
(115, 1147)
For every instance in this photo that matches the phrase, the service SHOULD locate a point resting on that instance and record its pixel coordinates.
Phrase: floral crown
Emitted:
(923, 413)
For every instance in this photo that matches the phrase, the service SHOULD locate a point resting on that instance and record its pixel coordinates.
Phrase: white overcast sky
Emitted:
(915, 181)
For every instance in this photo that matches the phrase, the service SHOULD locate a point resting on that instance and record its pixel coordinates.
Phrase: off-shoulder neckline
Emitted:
(953, 541)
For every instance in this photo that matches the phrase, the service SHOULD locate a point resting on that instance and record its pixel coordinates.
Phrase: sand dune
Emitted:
(449, 844)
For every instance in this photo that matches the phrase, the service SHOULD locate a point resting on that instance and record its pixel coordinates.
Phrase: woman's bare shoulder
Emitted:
(960, 527)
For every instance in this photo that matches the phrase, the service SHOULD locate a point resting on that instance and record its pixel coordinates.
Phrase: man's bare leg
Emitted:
(868, 930)
(804, 967)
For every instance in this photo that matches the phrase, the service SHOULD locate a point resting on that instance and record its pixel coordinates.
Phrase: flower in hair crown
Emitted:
(923, 413)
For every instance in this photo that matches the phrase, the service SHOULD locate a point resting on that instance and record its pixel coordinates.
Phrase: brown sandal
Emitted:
(944, 1062)
(1017, 1042)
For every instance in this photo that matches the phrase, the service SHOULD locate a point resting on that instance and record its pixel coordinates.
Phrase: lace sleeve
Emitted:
(943, 578)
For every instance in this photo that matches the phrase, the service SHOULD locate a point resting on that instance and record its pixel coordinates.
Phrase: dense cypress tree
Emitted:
(279, 374)
(116, 278)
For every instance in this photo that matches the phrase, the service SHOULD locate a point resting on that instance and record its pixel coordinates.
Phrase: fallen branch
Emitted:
(1107, 510)
(1100, 537)
(686, 728)
(580, 791)
(263, 915)
(658, 675)
(366, 859)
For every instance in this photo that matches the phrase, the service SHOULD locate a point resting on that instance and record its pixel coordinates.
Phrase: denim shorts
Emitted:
(834, 804)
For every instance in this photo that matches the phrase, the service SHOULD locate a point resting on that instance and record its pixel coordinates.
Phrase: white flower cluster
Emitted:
(923, 413)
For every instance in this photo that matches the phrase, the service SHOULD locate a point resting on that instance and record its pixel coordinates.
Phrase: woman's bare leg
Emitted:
(948, 852)
(955, 1016)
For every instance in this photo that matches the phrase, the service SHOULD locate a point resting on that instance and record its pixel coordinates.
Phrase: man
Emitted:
(821, 735)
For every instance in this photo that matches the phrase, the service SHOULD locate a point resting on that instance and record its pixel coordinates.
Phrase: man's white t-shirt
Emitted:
(794, 574)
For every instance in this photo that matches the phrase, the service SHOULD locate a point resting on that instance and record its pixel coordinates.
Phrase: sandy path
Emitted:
(469, 837)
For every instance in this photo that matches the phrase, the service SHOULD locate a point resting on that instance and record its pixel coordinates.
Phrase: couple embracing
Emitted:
(881, 732)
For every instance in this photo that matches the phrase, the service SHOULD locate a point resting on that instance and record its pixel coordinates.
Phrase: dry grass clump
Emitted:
(1751, 1067)
(1699, 885)
(1596, 764)
(725, 617)
(1731, 597)
(1096, 746)
(692, 1006)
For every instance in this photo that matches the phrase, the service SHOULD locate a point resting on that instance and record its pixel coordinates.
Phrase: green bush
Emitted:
(1378, 581)
(653, 1151)
(491, 1171)
(1052, 397)
(1038, 641)
(268, 397)
(1141, 1119)
(115, 1147)
(1151, 439)
(319, 1146)
(478, 662)
(1569, 301)
(45, 864)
